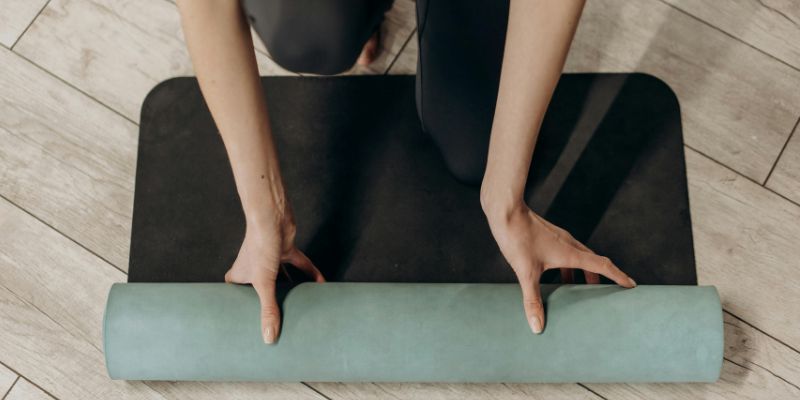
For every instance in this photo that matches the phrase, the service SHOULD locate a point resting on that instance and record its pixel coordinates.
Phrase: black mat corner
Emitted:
(372, 197)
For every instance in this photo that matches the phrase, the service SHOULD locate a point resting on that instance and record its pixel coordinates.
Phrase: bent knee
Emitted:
(466, 170)
(321, 56)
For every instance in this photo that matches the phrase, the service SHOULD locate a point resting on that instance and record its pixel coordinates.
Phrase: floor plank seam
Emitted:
(739, 174)
(22, 376)
(400, 52)
(731, 36)
(593, 392)
(775, 375)
(62, 80)
(10, 388)
(60, 325)
(3, 196)
(763, 332)
(752, 370)
(315, 390)
(24, 31)
(780, 154)
(779, 12)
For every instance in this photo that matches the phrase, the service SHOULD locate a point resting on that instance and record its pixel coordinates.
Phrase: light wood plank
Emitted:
(746, 244)
(115, 51)
(16, 16)
(52, 297)
(49, 355)
(736, 383)
(738, 104)
(785, 179)
(406, 62)
(746, 346)
(7, 378)
(445, 391)
(770, 25)
(24, 390)
(66, 159)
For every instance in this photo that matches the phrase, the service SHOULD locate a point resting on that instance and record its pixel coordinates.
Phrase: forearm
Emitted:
(221, 49)
(538, 37)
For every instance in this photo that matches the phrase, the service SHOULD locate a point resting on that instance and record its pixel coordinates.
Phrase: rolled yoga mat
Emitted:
(414, 332)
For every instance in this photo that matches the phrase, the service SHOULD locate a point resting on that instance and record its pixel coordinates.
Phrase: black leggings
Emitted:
(458, 71)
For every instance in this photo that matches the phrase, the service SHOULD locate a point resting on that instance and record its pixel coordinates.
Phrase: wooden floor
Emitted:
(73, 74)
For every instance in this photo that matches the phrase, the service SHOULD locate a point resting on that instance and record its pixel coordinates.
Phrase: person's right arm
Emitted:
(221, 49)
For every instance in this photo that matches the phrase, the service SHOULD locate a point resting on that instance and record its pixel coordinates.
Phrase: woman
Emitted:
(486, 73)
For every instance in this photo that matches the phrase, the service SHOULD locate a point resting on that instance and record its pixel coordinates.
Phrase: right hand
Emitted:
(266, 245)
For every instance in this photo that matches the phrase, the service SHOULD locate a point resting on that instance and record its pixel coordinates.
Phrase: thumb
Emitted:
(532, 300)
(270, 312)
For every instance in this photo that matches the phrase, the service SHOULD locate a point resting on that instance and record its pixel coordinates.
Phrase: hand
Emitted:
(532, 245)
(266, 245)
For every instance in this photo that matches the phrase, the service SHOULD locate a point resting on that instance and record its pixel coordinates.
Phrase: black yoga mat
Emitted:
(374, 201)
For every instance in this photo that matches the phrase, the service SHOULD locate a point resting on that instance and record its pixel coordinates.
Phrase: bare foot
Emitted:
(370, 51)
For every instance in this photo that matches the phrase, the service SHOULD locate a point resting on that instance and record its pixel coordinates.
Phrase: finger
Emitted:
(567, 275)
(532, 300)
(303, 263)
(597, 264)
(591, 277)
(270, 312)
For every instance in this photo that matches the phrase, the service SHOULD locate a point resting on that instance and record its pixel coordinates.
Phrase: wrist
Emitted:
(499, 203)
(267, 213)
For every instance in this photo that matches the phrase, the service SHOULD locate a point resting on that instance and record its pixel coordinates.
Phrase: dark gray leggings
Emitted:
(458, 72)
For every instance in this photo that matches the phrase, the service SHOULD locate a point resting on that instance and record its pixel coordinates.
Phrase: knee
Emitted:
(315, 54)
(463, 148)
(468, 171)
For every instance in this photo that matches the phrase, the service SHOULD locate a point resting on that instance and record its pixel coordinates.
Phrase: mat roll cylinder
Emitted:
(404, 332)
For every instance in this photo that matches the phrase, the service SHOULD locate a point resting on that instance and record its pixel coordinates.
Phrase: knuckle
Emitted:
(270, 312)
(532, 303)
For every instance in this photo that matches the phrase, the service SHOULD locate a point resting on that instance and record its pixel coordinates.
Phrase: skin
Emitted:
(538, 38)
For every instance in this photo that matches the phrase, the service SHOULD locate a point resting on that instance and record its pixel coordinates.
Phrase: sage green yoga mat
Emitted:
(414, 333)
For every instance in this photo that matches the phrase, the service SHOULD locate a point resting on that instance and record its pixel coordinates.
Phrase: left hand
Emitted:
(532, 245)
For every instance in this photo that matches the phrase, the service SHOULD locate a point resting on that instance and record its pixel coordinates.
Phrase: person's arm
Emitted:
(538, 37)
(221, 49)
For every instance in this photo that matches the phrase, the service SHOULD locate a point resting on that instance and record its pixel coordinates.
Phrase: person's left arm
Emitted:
(538, 37)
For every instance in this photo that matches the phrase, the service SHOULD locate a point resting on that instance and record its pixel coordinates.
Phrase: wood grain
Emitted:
(736, 383)
(24, 390)
(406, 62)
(746, 244)
(66, 159)
(750, 348)
(16, 16)
(785, 179)
(114, 51)
(52, 297)
(7, 379)
(738, 104)
(770, 25)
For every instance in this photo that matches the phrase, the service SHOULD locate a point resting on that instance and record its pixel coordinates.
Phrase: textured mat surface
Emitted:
(372, 197)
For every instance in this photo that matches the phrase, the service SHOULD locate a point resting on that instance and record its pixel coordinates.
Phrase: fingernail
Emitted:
(633, 282)
(269, 337)
(536, 325)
